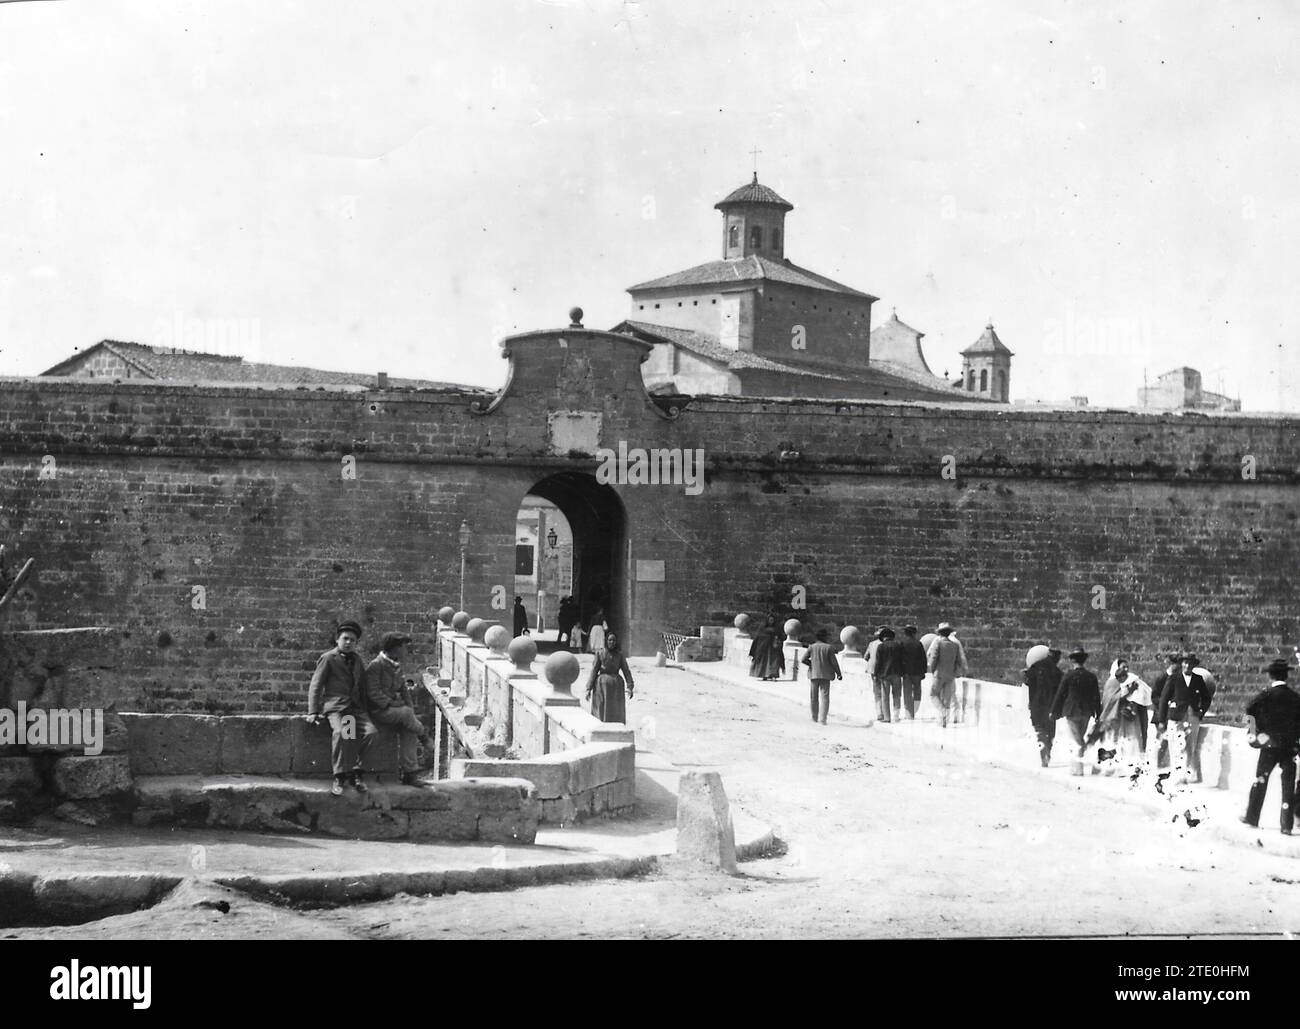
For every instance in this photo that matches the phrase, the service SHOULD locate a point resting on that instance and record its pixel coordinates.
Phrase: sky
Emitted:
(395, 185)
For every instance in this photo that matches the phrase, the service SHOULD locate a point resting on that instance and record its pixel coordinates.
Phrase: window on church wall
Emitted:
(1000, 377)
(756, 236)
(984, 380)
(733, 236)
(970, 380)
(776, 239)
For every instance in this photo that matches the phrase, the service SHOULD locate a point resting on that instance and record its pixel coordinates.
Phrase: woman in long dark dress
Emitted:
(766, 653)
(605, 686)
(521, 618)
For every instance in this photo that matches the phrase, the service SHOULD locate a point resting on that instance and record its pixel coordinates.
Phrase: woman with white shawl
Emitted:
(1122, 726)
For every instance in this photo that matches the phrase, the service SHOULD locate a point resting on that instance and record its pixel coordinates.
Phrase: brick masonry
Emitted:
(157, 490)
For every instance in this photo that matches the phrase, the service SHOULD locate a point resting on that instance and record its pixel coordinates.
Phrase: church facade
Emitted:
(754, 323)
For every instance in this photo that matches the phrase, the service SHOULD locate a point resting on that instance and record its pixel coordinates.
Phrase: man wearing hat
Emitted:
(946, 660)
(911, 661)
(1183, 703)
(1078, 699)
(337, 691)
(1275, 714)
(822, 668)
(889, 677)
(390, 707)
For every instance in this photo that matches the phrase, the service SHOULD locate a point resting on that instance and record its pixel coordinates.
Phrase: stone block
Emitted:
(594, 765)
(18, 775)
(561, 811)
(54, 649)
(173, 744)
(511, 826)
(344, 818)
(427, 826)
(550, 778)
(309, 747)
(488, 795)
(80, 896)
(83, 778)
(387, 797)
(704, 828)
(257, 744)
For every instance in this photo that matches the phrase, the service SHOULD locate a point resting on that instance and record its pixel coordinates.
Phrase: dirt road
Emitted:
(884, 838)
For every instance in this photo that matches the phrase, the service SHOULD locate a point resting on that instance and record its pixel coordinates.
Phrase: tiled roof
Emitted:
(749, 269)
(988, 343)
(704, 345)
(168, 364)
(882, 375)
(754, 193)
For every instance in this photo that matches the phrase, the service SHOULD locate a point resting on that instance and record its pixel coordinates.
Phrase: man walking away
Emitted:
(338, 691)
(911, 659)
(1160, 744)
(1078, 699)
(946, 660)
(1183, 704)
(822, 667)
(390, 706)
(1275, 718)
(1043, 679)
(889, 677)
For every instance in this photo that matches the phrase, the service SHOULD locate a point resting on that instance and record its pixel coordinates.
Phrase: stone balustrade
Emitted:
(491, 700)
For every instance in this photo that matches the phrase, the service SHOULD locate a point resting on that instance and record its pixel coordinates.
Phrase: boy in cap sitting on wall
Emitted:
(390, 706)
(337, 691)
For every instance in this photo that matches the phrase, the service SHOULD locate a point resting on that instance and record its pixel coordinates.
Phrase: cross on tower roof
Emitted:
(754, 153)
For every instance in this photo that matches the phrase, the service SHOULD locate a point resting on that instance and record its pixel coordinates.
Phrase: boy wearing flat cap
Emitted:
(337, 691)
(389, 706)
(1275, 713)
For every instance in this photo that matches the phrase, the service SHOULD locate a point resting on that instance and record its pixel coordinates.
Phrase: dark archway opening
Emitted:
(597, 524)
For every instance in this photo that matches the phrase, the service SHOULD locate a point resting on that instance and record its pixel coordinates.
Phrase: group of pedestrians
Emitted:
(357, 698)
(1118, 716)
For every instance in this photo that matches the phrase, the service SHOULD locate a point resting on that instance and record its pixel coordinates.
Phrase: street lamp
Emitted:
(552, 539)
(464, 542)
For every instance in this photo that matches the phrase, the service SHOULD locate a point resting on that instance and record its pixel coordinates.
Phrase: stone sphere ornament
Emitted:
(497, 639)
(445, 615)
(851, 637)
(742, 623)
(561, 670)
(792, 630)
(523, 652)
(475, 629)
(459, 620)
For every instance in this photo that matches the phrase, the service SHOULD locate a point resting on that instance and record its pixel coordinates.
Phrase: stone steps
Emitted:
(462, 810)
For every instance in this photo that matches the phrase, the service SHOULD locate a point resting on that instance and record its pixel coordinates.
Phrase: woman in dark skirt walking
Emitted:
(605, 687)
(766, 653)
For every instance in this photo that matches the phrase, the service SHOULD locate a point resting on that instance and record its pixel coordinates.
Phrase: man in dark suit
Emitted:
(889, 674)
(338, 691)
(822, 668)
(1183, 703)
(911, 659)
(1043, 679)
(1275, 714)
(1078, 699)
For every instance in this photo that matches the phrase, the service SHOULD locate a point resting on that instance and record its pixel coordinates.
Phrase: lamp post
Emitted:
(464, 543)
(551, 539)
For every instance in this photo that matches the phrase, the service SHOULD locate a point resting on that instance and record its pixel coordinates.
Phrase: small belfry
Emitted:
(986, 367)
(753, 222)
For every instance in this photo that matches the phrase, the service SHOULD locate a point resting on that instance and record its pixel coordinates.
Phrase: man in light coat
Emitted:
(389, 704)
(822, 667)
(946, 660)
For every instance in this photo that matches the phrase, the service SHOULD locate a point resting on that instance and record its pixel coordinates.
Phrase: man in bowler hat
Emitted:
(1078, 699)
(911, 657)
(338, 691)
(389, 705)
(1275, 714)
